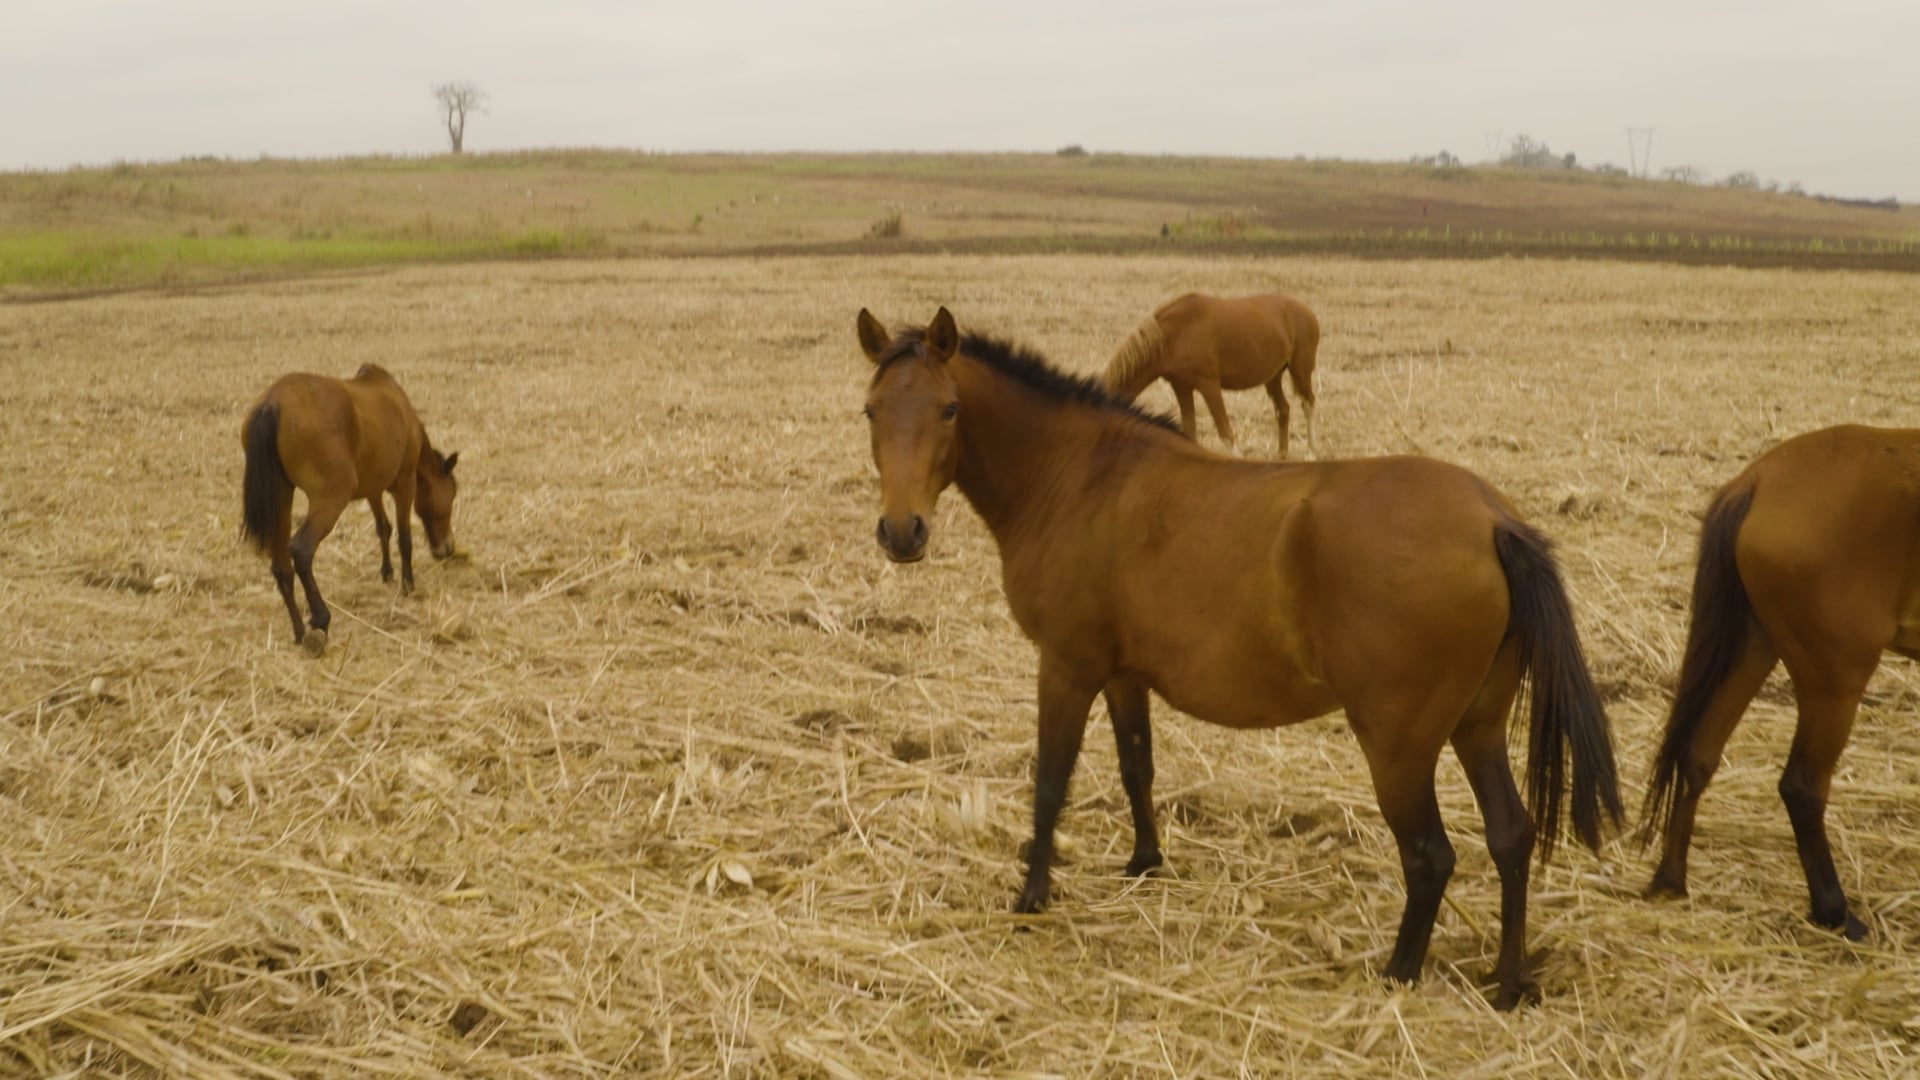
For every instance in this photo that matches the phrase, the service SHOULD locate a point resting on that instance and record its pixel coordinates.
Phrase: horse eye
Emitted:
(952, 410)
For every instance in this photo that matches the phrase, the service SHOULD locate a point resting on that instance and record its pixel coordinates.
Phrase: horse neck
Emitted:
(1137, 362)
(1018, 448)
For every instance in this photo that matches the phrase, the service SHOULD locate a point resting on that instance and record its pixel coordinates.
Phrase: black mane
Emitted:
(1028, 368)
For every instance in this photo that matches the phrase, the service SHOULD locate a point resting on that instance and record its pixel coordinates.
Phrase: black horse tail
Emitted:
(1716, 639)
(266, 487)
(1567, 728)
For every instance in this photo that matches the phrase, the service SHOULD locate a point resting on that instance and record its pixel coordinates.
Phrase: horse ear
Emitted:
(446, 467)
(943, 337)
(874, 338)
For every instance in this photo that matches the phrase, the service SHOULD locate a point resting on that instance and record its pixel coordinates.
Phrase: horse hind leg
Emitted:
(280, 559)
(1826, 720)
(1701, 758)
(1403, 782)
(1301, 371)
(1280, 412)
(1426, 860)
(321, 516)
(1480, 742)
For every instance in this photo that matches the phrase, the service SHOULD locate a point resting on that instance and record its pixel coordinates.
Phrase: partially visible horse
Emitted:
(1209, 344)
(339, 440)
(1810, 556)
(1254, 595)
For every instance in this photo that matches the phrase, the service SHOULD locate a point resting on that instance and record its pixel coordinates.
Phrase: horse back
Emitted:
(1291, 580)
(1245, 341)
(345, 438)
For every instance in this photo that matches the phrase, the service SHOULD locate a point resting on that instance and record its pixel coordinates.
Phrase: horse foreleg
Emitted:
(1826, 718)
(1218, 407)
(321, 516)
(1133, 737)
(1064, 702)
(1183, 396)
(404, 491)
(384, 530)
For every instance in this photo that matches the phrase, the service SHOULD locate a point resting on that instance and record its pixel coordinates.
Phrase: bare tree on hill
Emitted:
(457, 99)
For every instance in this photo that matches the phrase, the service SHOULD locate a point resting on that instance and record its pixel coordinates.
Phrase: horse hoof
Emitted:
(1854, 930)
(1028, 904)
(315, 642)
(1141, 865)
(1526, 992)
(1662, 889)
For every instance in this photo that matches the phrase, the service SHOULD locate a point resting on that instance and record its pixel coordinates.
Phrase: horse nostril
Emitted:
(919, 530)
(880, 532)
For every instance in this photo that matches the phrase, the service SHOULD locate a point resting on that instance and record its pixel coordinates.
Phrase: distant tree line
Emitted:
(1526, 152)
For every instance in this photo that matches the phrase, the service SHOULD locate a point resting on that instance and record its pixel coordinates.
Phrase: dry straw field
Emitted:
(675, 775)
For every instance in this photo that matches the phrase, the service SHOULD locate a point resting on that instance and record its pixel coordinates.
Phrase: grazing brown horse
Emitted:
(1810, 556)
(1205, 343)
(1252, 595)
(339, 440)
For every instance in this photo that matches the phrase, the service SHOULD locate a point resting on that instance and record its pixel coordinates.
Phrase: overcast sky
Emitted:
(1823, 92)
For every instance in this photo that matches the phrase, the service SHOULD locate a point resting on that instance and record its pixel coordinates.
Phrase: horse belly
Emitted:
(1248, 707)
(1240, 687)
(1251, 356)
(1906, 638)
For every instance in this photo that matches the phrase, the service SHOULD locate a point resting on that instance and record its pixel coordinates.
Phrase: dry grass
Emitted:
(677, 776)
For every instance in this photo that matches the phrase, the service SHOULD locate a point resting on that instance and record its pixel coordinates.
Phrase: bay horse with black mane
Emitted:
(1210, 344)
(1253, 595)
(1811, 557)
(339, 440)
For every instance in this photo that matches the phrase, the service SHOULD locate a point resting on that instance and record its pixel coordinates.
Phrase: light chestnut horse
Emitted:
(1253, 595)
(1209, 344)
(1810, 556)
(339, 440)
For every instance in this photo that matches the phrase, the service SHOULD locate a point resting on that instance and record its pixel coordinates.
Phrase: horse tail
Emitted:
(1716, 640)
(1567, 728)
(1132, 366)
(266, 487)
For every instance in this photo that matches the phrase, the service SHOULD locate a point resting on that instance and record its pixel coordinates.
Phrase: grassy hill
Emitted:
(203, 221)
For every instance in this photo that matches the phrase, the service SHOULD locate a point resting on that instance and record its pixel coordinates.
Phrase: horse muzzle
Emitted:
(444, 549)
(904, 542)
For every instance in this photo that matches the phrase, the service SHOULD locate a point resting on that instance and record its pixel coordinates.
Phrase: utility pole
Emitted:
(1639, 150)
(1493, 144)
